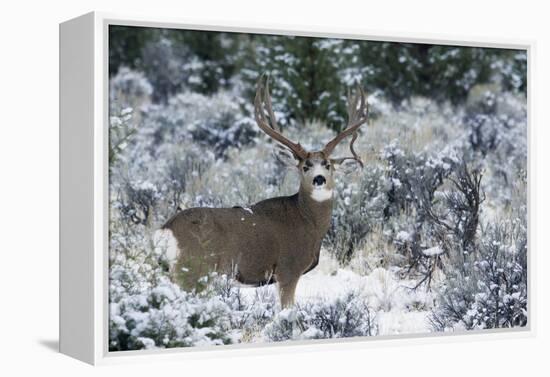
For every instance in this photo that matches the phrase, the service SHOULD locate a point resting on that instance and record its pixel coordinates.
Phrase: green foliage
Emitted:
(307, 74)
(310, 76)
(173, 59)
(126, 44)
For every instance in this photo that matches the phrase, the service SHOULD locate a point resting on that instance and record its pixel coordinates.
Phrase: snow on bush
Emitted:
(490, 289)
(339, 317)
(214, 122)
(147, 310)
(129, 88)
(358, 209)
(164, 316)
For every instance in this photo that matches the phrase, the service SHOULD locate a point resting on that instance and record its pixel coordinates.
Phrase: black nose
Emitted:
(319, 180)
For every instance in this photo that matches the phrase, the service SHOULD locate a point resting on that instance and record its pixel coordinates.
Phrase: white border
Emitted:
(101, 354)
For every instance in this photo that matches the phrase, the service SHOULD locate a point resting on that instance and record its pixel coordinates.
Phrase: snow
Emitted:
(311, 333)
(391, 299)
(287, 315)
(433, 251)
(403, 236)
(396, 182)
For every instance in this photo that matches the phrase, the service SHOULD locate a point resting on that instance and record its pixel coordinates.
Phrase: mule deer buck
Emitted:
(276, 240)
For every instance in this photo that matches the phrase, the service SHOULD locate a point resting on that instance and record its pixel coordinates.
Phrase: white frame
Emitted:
(84, 180)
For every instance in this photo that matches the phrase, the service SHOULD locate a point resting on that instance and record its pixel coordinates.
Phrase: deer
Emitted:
(276, 240)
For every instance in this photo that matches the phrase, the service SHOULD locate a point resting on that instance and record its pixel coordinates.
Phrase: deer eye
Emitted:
(305, 168)
(327, 166)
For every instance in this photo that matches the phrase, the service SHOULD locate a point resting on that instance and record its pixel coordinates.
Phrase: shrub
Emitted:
(491, 290)
(249, 314)
(121, 130)
(129, 88)
(163, 316)
(358, 209)
(339, 317)
(214, 122)
(138, 202)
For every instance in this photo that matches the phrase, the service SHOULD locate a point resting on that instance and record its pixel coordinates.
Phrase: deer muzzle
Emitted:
(319, 180)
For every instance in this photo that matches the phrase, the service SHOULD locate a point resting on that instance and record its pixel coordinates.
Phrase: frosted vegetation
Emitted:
(431, 236)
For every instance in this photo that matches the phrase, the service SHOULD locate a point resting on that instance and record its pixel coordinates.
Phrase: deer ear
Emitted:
(346, 165)
(285, 156)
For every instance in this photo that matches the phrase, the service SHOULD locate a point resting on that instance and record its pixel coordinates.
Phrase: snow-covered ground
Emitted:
(398, 308)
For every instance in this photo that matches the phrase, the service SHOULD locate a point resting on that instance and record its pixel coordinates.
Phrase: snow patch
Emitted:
(403, 236)
(433, 251)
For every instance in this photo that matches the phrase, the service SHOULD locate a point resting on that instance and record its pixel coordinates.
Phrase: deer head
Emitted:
(316, 168)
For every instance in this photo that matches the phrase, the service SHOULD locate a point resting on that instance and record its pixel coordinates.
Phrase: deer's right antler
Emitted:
(262, 99)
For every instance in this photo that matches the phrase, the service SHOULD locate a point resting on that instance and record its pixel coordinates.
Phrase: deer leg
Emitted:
(287, 288)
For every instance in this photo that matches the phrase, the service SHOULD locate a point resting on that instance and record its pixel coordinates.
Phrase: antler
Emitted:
(355, 156)
(356, 118)
(272, 128)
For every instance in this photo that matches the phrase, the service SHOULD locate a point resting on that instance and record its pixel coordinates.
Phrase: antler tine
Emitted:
(352, 149)
(356, 118)
(352, 105)
(268, 105)
(355, 156)
(270, 128)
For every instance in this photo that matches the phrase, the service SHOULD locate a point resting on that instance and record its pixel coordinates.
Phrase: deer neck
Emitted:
(315, 210)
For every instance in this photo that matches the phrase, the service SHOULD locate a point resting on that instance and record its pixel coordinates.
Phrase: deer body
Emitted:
(276, 240)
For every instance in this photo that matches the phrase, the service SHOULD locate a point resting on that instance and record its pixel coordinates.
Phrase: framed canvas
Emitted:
(235, 189)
